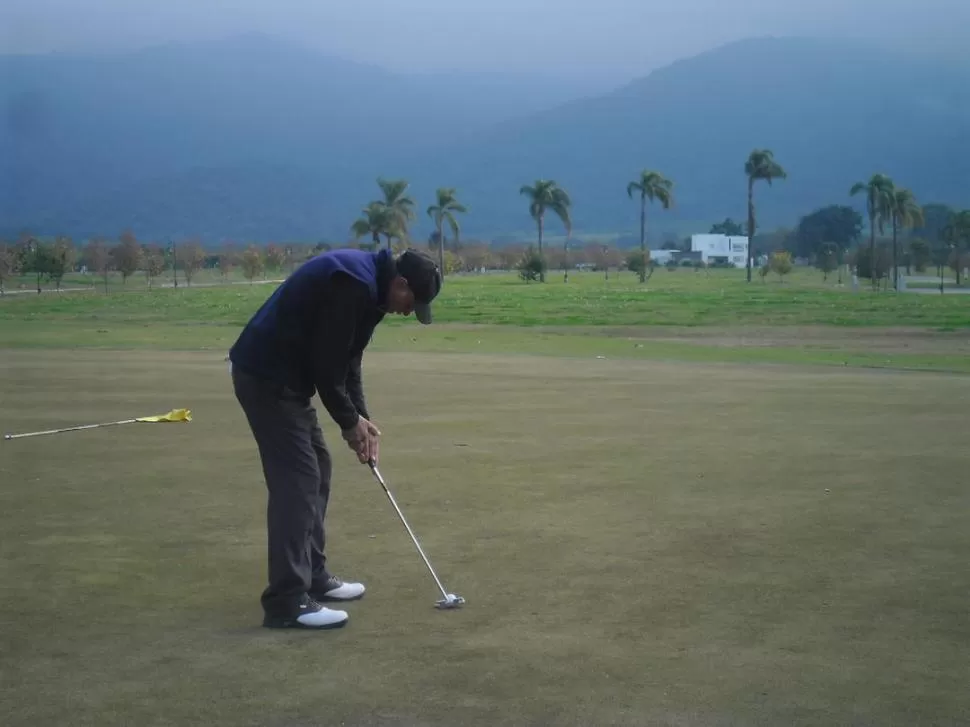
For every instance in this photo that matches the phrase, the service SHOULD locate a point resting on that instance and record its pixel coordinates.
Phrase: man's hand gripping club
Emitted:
(364, 439)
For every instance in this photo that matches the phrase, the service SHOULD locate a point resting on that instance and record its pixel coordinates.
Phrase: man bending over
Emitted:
(309, 337)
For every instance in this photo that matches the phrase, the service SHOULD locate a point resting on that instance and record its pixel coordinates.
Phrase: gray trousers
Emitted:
(297, 469)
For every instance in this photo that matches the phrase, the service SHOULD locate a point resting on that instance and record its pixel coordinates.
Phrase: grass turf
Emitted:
(646, 531)
(682, 315)
(639, 542)
(681, 298)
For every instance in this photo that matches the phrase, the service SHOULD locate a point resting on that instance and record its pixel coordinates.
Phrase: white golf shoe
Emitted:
(334, 589)
(309, 614)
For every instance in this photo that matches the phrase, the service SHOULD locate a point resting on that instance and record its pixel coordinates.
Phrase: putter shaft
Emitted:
(377, 474)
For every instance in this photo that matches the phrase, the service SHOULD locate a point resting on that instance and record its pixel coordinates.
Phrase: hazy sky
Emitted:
(616, 38)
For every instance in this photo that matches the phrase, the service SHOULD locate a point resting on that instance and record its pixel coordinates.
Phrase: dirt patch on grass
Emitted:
(882, 340)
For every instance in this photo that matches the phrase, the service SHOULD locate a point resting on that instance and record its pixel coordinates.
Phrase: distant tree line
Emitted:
(904, 237)
(901, 234)
(49, 261)
(826, 237)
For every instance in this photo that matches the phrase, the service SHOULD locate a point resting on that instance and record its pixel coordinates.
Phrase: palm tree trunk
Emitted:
(565, 260)
(643, 238)
(747, 262)
(895, 265)
(872, 245)
(441, 248)
(542, 271)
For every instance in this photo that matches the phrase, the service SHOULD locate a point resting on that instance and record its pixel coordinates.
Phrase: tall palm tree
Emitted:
(760, 167)
(905, 213)
(879, 195)
(651, 186)
(956, 234)
(442, 212)
(546, 195)
(376, 221)
(399, 204)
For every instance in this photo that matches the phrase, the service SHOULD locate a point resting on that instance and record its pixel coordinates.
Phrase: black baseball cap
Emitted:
(424, 280)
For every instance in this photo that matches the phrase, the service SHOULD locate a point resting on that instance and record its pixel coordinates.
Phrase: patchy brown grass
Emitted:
(639, 542)
(903, 340)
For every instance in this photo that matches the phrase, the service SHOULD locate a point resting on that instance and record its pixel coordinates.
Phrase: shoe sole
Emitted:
(334, 599)
(294, 624)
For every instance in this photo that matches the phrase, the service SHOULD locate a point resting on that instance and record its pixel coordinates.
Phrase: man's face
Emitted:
(400, 298)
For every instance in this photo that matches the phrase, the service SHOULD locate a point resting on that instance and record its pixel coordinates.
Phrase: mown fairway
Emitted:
(683, 532)
(669, 299)
(683, 315)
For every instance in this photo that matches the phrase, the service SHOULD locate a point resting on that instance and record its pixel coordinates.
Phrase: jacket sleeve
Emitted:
(355, 385)
(333, 349)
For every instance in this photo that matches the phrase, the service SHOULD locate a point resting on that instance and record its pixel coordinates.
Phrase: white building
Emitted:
(661, 256)
(720, 248)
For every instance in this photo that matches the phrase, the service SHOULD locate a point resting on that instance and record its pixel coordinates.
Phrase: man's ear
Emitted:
(393, 286)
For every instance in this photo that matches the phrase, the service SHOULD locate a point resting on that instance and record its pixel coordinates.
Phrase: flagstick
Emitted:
(67, 429)
(185, 416)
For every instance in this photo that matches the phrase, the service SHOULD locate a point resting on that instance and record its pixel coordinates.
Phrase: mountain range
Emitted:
(255, 139)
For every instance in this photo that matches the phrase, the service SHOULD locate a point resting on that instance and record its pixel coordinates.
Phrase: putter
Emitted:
(450, 600)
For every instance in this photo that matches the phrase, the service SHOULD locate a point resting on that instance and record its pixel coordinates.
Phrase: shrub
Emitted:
(780, 263)
(531, 266)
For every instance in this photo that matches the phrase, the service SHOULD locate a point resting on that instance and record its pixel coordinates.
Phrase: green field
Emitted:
(117, 283)
(682, 315)
(678, 298)
(699, 503)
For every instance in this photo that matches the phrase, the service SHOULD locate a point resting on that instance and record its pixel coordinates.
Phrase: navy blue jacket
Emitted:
(310, 334)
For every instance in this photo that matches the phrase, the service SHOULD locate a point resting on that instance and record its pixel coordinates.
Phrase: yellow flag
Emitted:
(176, 415)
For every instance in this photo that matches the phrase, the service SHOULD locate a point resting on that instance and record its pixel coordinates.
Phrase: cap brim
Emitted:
(422, 311)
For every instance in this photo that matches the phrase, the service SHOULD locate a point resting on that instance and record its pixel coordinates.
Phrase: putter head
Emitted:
(452, 601)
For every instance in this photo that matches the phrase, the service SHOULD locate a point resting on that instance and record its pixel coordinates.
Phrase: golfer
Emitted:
(309, 337)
